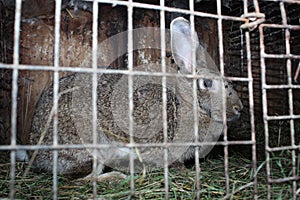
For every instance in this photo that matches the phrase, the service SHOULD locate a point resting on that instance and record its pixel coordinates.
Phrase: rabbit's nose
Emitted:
(237, 108)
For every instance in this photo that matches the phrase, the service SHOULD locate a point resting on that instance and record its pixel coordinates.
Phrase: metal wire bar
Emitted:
(283, 117)
(221, 60)
(195, 99)
(273, 149)
(251, 99)
(264, 106)
(290, 95)
(256, 6)
(169, 9)
(141, 73)
(94, 94)
(282, 86)
(164, 95)
(297, 72)
(130, 93)
(266, 55)
(55, 95)
(285, 1)
(128, 145)
(116, 71)
(13, 140)
(281, 26)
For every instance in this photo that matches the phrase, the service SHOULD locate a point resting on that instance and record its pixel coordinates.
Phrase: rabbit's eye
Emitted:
(205, 83)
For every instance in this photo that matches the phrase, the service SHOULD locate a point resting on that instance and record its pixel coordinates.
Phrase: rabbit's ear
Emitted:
(182, 44)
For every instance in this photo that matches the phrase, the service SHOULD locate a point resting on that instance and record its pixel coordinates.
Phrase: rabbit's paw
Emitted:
(106, 177)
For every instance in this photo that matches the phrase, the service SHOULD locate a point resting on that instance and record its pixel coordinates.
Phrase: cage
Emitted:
(255, 45)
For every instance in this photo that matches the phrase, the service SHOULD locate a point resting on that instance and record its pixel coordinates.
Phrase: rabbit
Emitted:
(75, 121)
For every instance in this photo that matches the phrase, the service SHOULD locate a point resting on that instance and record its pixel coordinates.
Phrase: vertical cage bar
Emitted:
(130, 94)
(94, 94)
(221, 54)
(290, 95)
(251, 111)
(256, 6)
(251, 104)
(195, 101)
(265, 108)
(164, 95)
(55, 93)
(13, 142)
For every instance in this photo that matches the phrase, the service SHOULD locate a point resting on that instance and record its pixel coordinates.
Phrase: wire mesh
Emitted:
(293, 177)
(247, 19)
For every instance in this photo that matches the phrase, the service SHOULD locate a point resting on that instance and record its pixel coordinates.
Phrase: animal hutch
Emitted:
(254, 43)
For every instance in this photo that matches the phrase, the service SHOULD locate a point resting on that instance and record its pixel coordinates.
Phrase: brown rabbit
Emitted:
(75, 113)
